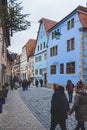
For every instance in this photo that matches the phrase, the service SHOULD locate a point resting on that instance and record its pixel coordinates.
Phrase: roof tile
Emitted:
(30, 46)
(47, 24)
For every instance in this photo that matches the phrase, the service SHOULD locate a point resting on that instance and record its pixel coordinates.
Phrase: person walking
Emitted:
(79, 84)
(69, 88)
(80, 107)
(59, 107)
(41, 82)
(36, 83)
(29, 83)
(25, 84)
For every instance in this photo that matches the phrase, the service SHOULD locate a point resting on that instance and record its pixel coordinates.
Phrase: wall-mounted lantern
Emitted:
(57, 34)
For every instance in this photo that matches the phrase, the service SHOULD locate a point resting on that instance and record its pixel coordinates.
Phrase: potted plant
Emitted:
(2, 97)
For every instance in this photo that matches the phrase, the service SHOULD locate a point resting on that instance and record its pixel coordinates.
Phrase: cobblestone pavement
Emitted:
(38, 100)
(16, 115)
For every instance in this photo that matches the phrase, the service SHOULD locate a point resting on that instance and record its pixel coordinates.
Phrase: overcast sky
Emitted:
(51, 9)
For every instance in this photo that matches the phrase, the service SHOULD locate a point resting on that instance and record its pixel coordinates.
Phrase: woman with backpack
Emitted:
(69, 88)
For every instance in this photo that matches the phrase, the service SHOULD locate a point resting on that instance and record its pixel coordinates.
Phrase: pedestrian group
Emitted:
(60, 105)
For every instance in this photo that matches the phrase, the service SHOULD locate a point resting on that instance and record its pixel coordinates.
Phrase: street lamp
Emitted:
(57, 34)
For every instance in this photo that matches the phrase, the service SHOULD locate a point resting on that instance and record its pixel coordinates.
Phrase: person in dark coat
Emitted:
(25, 84)
(36, 83)
(70, 88)
(41, 82)
(79, 84)
(29, 83)
(59, 108)
(80, 108)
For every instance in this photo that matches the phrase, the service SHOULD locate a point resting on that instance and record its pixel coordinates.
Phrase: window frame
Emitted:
(53, 51)
(53, 69)
(70, 67)
(62, 68)
(70, 24)
(71, 44)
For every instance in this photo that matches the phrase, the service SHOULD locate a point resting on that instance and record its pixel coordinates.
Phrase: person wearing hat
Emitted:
(59, 107)
(80, 107)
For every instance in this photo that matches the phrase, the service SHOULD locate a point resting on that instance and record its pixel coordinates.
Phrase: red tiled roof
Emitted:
(47, 24)
(83, 19)
(81, 8)
(30, 46)
(82, 13)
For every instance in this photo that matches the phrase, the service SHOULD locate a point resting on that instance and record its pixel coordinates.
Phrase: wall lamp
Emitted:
(57, 34)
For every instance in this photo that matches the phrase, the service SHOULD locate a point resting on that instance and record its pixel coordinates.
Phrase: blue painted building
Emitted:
(67, 56)
(40, 54)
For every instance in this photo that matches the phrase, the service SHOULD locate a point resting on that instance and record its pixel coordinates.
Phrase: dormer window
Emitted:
(70, 24)
(53, 34)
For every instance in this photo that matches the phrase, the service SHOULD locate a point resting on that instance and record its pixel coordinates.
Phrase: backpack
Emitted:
(70, 87)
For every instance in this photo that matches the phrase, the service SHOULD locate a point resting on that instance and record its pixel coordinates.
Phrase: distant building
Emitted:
(23, 63)
(4, 43)
(40, 54)
(67, 56)
(15, 65)
(8, 71)
(30, 47)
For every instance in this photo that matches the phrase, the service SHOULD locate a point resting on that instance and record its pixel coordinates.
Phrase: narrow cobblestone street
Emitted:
(38, 101)
(16, 115)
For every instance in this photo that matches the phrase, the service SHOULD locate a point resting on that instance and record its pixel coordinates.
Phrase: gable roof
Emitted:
(30, 46)
(47, 24)
(82, 14)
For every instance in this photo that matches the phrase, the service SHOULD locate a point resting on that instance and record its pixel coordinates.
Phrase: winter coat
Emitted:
(59, 106)
(70, 87)
(80, 105)
(24, 83)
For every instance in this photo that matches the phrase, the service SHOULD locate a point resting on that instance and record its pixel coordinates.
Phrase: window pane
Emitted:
(72, 23)
(70, 68)
(61, 68)
(53, 69)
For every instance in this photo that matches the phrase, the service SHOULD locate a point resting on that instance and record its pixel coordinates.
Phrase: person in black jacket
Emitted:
(59, 108)
(70, 88)
(25, 84)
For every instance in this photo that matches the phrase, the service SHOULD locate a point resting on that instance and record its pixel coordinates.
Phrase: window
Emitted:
(36, 71)
(45, 56)
(53, 69)
(53, 35)
(70, 44)
(53, 51)
(40, 71)
(70, 67)
(61, 68)
(40, 46)
(70, 24)
(37, 59)
(44, 45)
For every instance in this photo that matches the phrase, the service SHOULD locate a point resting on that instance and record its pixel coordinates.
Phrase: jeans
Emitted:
(80, 124)
(70, 95)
